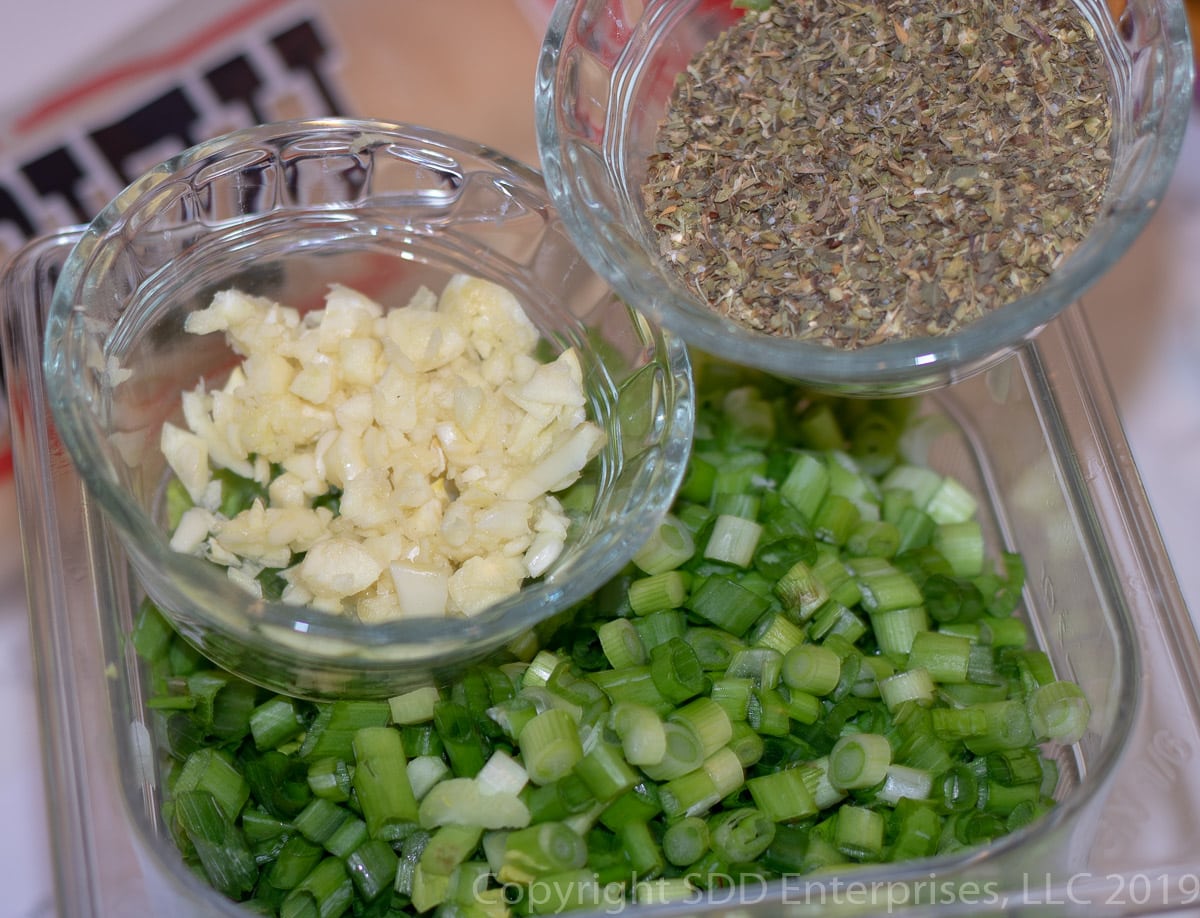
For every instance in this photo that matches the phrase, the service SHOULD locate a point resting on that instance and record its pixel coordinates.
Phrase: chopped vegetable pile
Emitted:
(813, 663)
(400, 462)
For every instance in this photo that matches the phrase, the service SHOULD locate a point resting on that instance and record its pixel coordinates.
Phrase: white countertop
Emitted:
(1145, 314)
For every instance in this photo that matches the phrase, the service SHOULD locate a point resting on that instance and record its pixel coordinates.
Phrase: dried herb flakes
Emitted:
(851, 172)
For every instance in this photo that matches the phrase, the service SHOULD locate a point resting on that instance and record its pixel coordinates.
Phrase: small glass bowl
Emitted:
(283, 211)
(606, 70)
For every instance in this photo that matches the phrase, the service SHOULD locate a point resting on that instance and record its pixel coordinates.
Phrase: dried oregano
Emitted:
(851, 172)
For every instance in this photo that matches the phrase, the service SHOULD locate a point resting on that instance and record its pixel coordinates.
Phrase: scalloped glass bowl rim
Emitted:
(323, 635)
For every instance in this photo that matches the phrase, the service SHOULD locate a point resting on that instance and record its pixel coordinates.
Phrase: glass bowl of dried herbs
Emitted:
(878, 199)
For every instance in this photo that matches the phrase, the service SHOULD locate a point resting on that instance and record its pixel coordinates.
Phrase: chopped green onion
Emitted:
(424, 772)
(944, 656)
(448, 847)
(320, 819)
(727, 604)
(676, 671)
(776, 631)
(708, 720)
(410, 850)
(958, 723)
(783, 796)
(733, 540)
(745, 506)
(1003, 798)
(714, 648)
(641, 732)
(640, 803)
(658, 628)
(332, 731)
(739, 472)
(859, 832)
(211, 771)
(961, 544)
(811, 668)
(621, 643)
(510, 716)
(667, 590)
(348, 836)
(381, 781)
(859, 760)
(810, 665)
(816, 779)
(642, 850)
(1015, 766)
(884, 587)
(921, 482)
(331, 778)
(296, 859)
(836, 518)
(803, 707)
(372, 867)
(459, 734)
(919, 828)
(684, 753)
(669, 546)
(697, 485)
(1059, 712)
(895, 629)
(873, 538)
(840, 584)
(951, 502)
(275, 722)
(414, 707)
(762, 665)
(540, 668)
(604, 770)
(1008, 728)
(911, 685)
(539, 851)
(801, 591)
(1002, 632)
(750, 418)
(746, 744)
(691, 794)
(733, 694)
(686, 841)
(916, 528)
(550, 746)
(502, 774)
(725, 769)
(665, 890)
(978, 828)
(835, 619)
(327, 890)
(218, 843)
(741, 835)
(768, 712)
(905, 782)
(633, 684)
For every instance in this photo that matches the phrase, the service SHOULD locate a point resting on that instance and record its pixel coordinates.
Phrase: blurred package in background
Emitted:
(193, 71)
(200, 70)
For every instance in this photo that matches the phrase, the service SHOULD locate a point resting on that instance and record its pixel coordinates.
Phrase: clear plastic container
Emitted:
(1038, 440)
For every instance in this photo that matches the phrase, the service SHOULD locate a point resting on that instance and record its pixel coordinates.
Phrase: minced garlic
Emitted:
(442, 434)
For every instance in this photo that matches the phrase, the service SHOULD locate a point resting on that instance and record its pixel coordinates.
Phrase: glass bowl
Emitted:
(283, 211)
(606, 70)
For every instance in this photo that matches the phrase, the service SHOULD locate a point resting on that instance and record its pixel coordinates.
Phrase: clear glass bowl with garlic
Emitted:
(451, 428)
